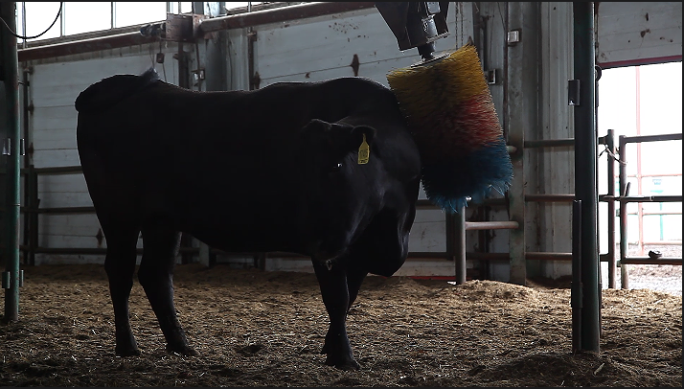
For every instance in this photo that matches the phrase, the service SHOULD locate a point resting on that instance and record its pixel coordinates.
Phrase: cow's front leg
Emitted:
(156, 277)
(335, 293)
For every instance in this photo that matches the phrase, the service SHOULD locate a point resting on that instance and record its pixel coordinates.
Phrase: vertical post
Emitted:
(33, 205)
(639, 176)
(204, 254)
(586, 141)
(521, 104)
(576, 286)
(251, 40)
(459, 246)
(610, 143)
(11, 279)
(27, 160)
(624, 192)
(112, 21)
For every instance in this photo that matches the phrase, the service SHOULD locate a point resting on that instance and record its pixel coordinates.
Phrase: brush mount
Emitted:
(416, 24)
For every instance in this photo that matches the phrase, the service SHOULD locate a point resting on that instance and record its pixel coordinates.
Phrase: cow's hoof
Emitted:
(185, 351)
(127, 352)
(343, 363)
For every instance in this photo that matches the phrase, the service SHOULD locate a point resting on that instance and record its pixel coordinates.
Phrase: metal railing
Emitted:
(456, 225)
(625, 198)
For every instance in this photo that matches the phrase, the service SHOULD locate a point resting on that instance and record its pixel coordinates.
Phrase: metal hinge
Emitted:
(7, 146)
(7, 279)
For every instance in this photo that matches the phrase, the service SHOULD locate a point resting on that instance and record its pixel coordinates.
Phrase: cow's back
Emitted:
(229, 158)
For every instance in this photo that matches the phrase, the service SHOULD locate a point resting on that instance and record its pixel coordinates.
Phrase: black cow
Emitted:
(275, 169)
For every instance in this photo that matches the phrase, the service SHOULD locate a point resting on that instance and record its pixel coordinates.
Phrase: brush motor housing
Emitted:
(416, 24)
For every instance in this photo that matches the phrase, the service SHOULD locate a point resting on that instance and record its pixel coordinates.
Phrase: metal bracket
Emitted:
(198, 75)
(415, 23)
(491, 77)
(182, 27)
(513, 37)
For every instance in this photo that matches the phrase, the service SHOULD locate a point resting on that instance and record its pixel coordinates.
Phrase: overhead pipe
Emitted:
(278, 15)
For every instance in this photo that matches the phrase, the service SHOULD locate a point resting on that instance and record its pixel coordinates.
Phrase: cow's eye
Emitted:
(335, 167)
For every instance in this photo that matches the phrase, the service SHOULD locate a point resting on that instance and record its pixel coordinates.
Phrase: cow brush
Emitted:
(450, 112)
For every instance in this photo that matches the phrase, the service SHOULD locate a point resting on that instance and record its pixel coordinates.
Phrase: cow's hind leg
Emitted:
(120, 267)
(156, 277)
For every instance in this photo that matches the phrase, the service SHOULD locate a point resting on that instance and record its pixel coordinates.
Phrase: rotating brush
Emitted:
(449, 110)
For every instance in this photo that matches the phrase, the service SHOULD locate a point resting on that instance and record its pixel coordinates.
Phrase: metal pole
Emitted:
(576, 285)
(11, 147)
(586, 141)
(640, 206)
(610, 143)
(624, 277)
(460, 245)
(492, 225)
(27, 157)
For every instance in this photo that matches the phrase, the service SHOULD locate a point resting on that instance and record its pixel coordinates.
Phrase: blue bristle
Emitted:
(474, 175)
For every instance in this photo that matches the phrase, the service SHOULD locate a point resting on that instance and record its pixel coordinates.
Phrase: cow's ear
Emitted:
(358, 134)
(315, 127)
(315, 131)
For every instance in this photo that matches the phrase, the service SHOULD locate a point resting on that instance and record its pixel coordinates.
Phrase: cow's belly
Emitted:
(240, 222)
(235, 235)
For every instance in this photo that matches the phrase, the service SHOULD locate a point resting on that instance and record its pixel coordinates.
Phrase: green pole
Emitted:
(586, 185)
(11, 149)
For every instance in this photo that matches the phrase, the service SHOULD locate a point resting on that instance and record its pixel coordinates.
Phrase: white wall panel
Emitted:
(557, 170)
(63, 190)
(290, 51)
(53, 91)
(638, 33)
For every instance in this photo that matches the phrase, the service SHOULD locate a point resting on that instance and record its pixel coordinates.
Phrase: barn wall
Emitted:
(55, 84)
(323, 48)
(556, 167)
(307, 50)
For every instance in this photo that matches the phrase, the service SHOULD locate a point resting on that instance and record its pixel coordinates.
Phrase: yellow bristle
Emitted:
(429, 87)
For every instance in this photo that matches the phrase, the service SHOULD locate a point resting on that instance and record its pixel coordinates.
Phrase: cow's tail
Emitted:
(112, 90)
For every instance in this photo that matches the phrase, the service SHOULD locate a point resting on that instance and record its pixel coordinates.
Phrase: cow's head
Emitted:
(340, 194)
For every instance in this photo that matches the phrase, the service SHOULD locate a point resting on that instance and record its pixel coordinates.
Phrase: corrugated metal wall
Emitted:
(54, 86)
(638, 33)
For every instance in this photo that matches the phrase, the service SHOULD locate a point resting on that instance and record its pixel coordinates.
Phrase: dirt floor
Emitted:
(256, 328)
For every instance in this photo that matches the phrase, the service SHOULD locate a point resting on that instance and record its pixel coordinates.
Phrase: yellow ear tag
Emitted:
(364, 152)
